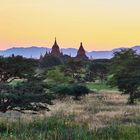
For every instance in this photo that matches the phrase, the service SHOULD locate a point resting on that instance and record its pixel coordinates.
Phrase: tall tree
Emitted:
(98, 70)
(74, 68)
(126, 73)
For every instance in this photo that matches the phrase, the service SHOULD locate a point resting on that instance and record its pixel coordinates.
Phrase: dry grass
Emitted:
(98, 110)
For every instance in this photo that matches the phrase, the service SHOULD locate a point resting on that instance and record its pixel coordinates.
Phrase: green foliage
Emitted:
(56, 77)
(75, 90)
(16, 67)
(98, 70)
(60, 128)
(78, 90)
(25, 95)
(51, 61)
(75, 69)
(100, 86)
(126, 73)
(62, 90)
(64, 85)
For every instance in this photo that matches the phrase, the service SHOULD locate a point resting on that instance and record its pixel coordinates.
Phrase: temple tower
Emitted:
(81, 54)
(55, 49)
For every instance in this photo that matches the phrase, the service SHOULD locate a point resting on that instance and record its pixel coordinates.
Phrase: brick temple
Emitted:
(81, 53)
(55, 49)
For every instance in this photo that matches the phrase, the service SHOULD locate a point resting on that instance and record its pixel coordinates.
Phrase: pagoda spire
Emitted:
(81, 44)
(55, 48)
(81, 54)
(55, 41)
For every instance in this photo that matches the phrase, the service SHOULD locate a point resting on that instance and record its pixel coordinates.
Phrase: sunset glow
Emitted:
(99, 24)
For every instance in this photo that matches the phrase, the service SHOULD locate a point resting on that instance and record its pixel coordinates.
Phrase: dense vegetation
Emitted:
(29, 84)
(126, 73)
(59, 128)
(53, 77)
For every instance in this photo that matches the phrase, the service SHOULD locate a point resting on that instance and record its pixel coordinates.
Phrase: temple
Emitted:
(55, 49)
(81, 54)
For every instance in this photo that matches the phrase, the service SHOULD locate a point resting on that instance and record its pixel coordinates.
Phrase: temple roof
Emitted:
(81, 49)
(81, 54)
(55, 48)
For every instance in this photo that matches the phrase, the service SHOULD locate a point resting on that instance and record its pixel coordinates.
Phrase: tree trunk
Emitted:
(131, 98)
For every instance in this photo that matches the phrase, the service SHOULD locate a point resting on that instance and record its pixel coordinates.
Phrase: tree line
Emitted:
(33, 84)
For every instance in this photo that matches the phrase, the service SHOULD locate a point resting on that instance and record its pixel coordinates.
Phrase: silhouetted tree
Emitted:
(16, 67)
(75, 69)
(98, 70)
(51, 61)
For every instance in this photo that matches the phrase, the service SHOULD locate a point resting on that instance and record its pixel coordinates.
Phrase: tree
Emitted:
(98, 70)
(78, 90)
(26, 95)
(51, 61)
(16, 67)
(63, 85)
(126, 73)
(75, 69)
(56, 77)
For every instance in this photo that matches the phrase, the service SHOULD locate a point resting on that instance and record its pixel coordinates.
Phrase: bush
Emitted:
(78, 90)
(62, 90)
(75, 90)
(26, 96)
(56, 77)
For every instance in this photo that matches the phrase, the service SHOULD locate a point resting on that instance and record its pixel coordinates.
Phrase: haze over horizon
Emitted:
(99, 24)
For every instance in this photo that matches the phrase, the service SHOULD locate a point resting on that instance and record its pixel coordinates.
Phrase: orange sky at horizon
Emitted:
(99, 24)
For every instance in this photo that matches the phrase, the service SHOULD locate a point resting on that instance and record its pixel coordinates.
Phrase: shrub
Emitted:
(26, 95)
(56, 77)
(78, 90)
(75, 90)
(62, 90)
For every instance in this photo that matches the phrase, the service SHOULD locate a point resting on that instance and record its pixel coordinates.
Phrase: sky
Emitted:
(99, 24)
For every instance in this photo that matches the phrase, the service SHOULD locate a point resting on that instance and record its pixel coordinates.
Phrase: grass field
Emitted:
(100, 86)
(60, 128)
(102, 115)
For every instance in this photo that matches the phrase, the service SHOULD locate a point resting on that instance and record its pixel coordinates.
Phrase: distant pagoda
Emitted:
(55, 49)
(53, 58)
(81, 54)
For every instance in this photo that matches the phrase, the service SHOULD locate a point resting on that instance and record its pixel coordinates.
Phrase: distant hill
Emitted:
(35, 52)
